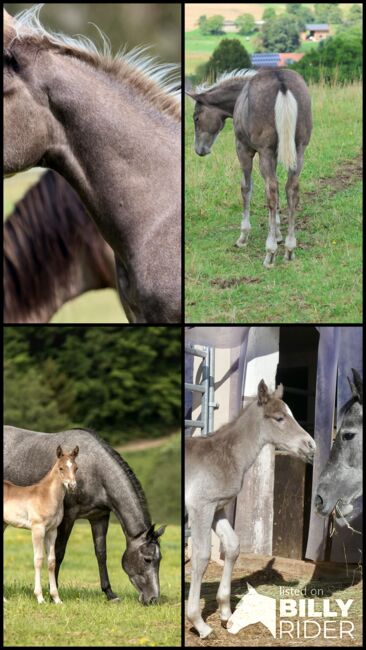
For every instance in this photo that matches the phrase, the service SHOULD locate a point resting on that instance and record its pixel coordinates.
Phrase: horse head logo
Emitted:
(253, 608)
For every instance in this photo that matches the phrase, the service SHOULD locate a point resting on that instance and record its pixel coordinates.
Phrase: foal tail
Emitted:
(286, 119)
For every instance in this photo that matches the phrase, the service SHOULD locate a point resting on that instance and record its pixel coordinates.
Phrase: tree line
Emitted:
(336, 59)
(124, 382)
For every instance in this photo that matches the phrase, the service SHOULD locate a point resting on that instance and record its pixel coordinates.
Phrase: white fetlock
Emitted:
(269, 259)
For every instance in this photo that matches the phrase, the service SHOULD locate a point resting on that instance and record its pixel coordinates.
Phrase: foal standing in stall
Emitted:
(124, 161)
(40, 508)
(215, 468)
(271, 111)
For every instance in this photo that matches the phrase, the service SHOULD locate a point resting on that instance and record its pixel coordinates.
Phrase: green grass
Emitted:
(86, 618)
(323, 284)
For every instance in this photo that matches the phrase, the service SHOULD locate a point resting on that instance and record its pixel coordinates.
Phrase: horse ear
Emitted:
(262, 393)
(251, 589)
(192, 95)
(278, 392)
(9, 30)
(357, 385)
(160, 531)
(59, 451)
(75, 452)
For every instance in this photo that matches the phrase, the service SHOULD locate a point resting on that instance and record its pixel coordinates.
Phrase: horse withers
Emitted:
(215, 467)
(40, 508)
(340, 482)
(271, 110)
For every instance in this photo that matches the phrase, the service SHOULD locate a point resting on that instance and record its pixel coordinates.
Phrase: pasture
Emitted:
(324, 283)
(91, 307)
(86, 618)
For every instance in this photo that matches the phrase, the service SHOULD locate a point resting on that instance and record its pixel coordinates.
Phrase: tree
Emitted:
(269, 13)
(327, 12)
(229, 55)
(302, 14)
(202, 25)
(215, 24)
(245, 23)
(338, 58)
(355, 13)
(281, 34)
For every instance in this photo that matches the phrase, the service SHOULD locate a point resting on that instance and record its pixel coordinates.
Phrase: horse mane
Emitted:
(43, 237)
(226, 78)
(127, 470)
(158, 83)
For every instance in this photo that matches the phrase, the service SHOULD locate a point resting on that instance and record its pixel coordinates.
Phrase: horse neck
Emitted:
(75, 258)
(127, 499)
(225, 95)
(119, 156)
(245, 437)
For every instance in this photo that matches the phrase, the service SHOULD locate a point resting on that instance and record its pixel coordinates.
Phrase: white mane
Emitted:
(166, 75)
(233, 74)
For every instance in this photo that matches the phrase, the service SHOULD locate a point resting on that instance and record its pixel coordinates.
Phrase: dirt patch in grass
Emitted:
(268, 575)
(232, 282)
(349, 173)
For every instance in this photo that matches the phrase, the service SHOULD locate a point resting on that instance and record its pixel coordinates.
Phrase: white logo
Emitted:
(253, 608)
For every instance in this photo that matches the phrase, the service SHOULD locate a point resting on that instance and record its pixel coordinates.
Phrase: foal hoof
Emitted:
(269, 260)
(289, 255)
(209, 635)
(224, 624)
(240, 244)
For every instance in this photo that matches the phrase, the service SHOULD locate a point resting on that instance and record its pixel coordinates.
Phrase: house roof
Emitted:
(274, 60)
(317, 27)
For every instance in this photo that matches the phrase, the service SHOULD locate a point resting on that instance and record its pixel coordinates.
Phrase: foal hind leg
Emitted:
(279, 237)
(246, 162)
(231, 548)
(292, 193)
(38, 533)
(267, 165)
(200, 522)
(49, 540)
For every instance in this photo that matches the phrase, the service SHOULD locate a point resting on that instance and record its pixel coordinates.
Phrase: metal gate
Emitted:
(207, 389)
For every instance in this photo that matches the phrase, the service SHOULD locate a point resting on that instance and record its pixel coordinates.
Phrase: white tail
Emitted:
(286, 118)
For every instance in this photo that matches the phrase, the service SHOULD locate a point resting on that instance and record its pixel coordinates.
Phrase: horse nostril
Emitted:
(153, 601)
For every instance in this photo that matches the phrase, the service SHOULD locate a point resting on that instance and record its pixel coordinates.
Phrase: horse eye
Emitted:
(348, 436)
(279, 419)
(10, 61)
(148, 560)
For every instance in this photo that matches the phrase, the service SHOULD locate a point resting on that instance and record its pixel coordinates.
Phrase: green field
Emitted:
(323, 284)
(86, 618)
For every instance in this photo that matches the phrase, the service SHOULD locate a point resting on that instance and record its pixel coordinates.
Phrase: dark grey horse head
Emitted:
(340, 482)
(209, 120)
(141, 561)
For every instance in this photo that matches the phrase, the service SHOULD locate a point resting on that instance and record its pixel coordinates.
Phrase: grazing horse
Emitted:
(106, 484)
(40, 508)
(215, 468)
(340, 482)
(112, 128)
(272, 116)
(53, 252)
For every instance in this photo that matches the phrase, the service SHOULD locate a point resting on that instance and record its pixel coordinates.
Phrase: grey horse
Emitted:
(106, 484)
(271, 110)
(214, 472)
(340, 482)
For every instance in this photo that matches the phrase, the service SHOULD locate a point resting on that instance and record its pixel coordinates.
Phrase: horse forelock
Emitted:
(157, 82)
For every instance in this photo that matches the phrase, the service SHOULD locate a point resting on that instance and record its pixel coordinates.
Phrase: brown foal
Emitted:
(40, 508)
